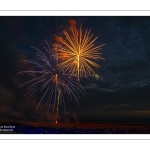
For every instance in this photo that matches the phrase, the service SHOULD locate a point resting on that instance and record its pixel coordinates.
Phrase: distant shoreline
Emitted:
(140, 128)
(142, 125)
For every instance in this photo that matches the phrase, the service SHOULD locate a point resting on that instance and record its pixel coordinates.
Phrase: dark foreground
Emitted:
(73, 128)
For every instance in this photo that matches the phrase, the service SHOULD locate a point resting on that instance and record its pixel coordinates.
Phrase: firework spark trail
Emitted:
(58, 103)
(79, 53)
(50, 79)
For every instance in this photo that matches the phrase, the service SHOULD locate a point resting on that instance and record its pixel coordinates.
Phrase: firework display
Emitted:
(53, 81)
(58, 70)
(77, 52)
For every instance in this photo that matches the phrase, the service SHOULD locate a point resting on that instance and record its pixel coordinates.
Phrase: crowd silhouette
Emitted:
(21, 128)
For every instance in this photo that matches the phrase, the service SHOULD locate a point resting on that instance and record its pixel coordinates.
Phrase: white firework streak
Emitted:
(51, 79)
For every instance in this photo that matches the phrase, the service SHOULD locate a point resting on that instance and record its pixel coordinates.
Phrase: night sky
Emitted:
(121, 93)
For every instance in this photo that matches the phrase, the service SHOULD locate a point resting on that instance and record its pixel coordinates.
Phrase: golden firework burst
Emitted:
(77, 52)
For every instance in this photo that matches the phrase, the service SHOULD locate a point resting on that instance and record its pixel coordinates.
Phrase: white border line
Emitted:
(75, 137)
(74, 13)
